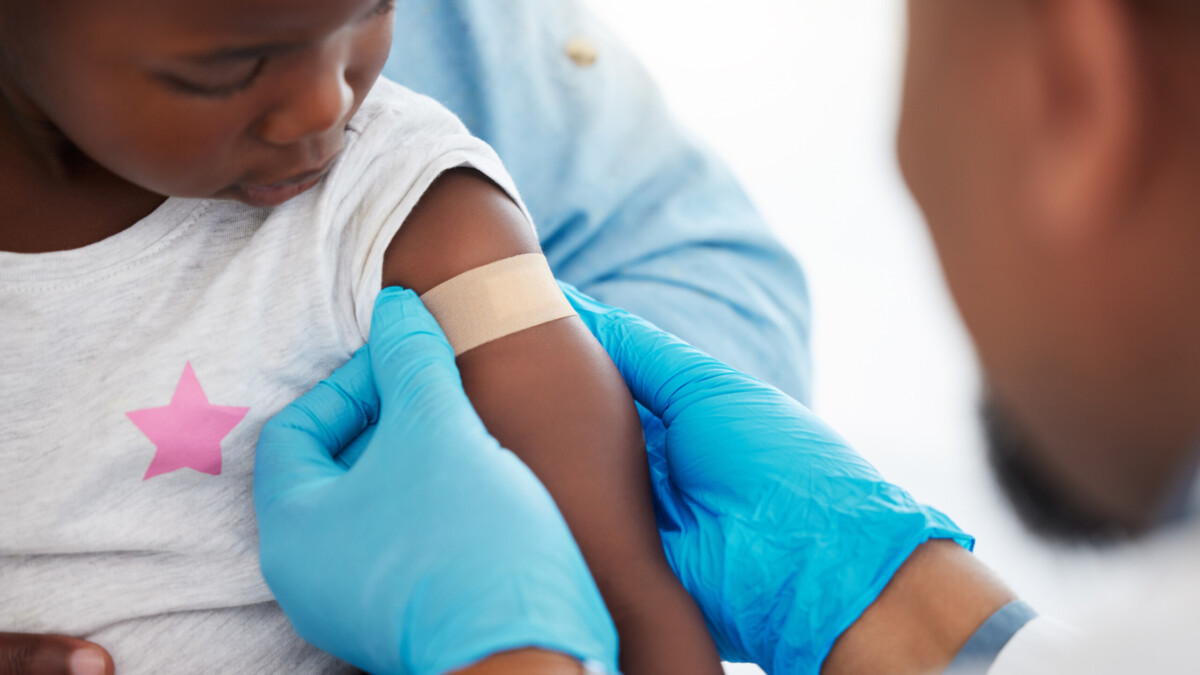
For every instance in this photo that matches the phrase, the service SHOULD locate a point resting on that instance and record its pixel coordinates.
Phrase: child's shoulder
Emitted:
(394, 116)
(395, 140)
(396, 145)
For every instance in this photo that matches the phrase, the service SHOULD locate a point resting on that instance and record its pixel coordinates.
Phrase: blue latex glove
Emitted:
(438, 547)
(782, 533)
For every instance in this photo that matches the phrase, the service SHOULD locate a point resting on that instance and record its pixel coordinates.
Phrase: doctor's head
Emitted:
(1054, 147)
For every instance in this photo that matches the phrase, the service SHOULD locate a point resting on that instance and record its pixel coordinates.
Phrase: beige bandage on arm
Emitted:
(498, 299)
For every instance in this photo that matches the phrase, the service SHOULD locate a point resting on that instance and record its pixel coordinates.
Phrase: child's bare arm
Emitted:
(552, 396)
(524, 662)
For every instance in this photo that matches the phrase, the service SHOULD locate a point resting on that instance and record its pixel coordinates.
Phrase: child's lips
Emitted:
(278, 193)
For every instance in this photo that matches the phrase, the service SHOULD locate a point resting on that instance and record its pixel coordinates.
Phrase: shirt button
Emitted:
(582, 51)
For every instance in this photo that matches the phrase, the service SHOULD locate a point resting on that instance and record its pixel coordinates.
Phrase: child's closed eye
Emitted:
(384, 7)
(228, 72)
(216, 81)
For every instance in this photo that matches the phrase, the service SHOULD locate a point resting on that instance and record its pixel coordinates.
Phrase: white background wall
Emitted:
(801, 97)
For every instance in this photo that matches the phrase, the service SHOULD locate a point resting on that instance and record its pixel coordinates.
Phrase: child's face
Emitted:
(233, 99)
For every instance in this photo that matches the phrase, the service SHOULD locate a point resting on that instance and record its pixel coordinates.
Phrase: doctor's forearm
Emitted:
(934, 604)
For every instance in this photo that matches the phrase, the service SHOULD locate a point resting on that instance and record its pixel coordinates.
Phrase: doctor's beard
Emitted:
(1033, 491)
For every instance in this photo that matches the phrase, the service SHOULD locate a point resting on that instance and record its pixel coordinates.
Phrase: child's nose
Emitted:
(320, 104)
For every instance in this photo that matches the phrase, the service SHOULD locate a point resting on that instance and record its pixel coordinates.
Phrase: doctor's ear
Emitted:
(1088, 124)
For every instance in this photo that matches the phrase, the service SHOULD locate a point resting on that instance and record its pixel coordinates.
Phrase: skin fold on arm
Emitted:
(552, 396)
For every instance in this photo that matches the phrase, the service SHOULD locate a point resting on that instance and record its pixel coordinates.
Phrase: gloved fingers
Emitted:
(405, 338)
(415, 372)
(664, 373)
(544, 602)
(302, 440)
(340, 407)
(350, 455)
(532, 588)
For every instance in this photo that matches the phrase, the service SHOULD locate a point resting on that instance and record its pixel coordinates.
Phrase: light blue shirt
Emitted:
(630, 208)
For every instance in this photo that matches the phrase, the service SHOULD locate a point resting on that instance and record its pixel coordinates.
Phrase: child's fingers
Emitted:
(22, 654)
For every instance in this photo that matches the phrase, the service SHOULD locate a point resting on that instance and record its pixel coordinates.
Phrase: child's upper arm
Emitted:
(463, 221)
(548, 393)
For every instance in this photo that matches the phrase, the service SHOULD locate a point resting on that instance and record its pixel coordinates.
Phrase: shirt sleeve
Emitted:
(629, 207)
(400, 143)
(1045, 645)
(979, 653)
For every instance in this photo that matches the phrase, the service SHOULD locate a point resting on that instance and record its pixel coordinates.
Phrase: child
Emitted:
(200, 203)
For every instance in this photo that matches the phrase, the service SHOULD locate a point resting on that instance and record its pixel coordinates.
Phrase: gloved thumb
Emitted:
(664, 374)
(414, 369)
(23, 654)
(300, 443)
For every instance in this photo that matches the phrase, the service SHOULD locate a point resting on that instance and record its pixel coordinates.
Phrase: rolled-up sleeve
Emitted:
(629, 206)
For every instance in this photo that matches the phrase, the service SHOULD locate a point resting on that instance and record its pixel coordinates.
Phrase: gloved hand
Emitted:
(782, 533)
(438, 547)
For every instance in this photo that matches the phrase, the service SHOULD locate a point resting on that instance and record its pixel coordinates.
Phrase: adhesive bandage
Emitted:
(498, 299)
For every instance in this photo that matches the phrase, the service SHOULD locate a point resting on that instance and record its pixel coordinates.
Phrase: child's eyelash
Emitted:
(222, 91)
(187, 87)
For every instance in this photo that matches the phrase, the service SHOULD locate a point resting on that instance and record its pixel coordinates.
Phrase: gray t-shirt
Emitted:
(136, 373)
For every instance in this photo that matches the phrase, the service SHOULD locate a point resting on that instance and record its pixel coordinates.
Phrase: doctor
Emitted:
(1054, 150)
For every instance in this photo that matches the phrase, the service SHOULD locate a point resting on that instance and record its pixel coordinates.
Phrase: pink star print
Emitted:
(188, 432)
